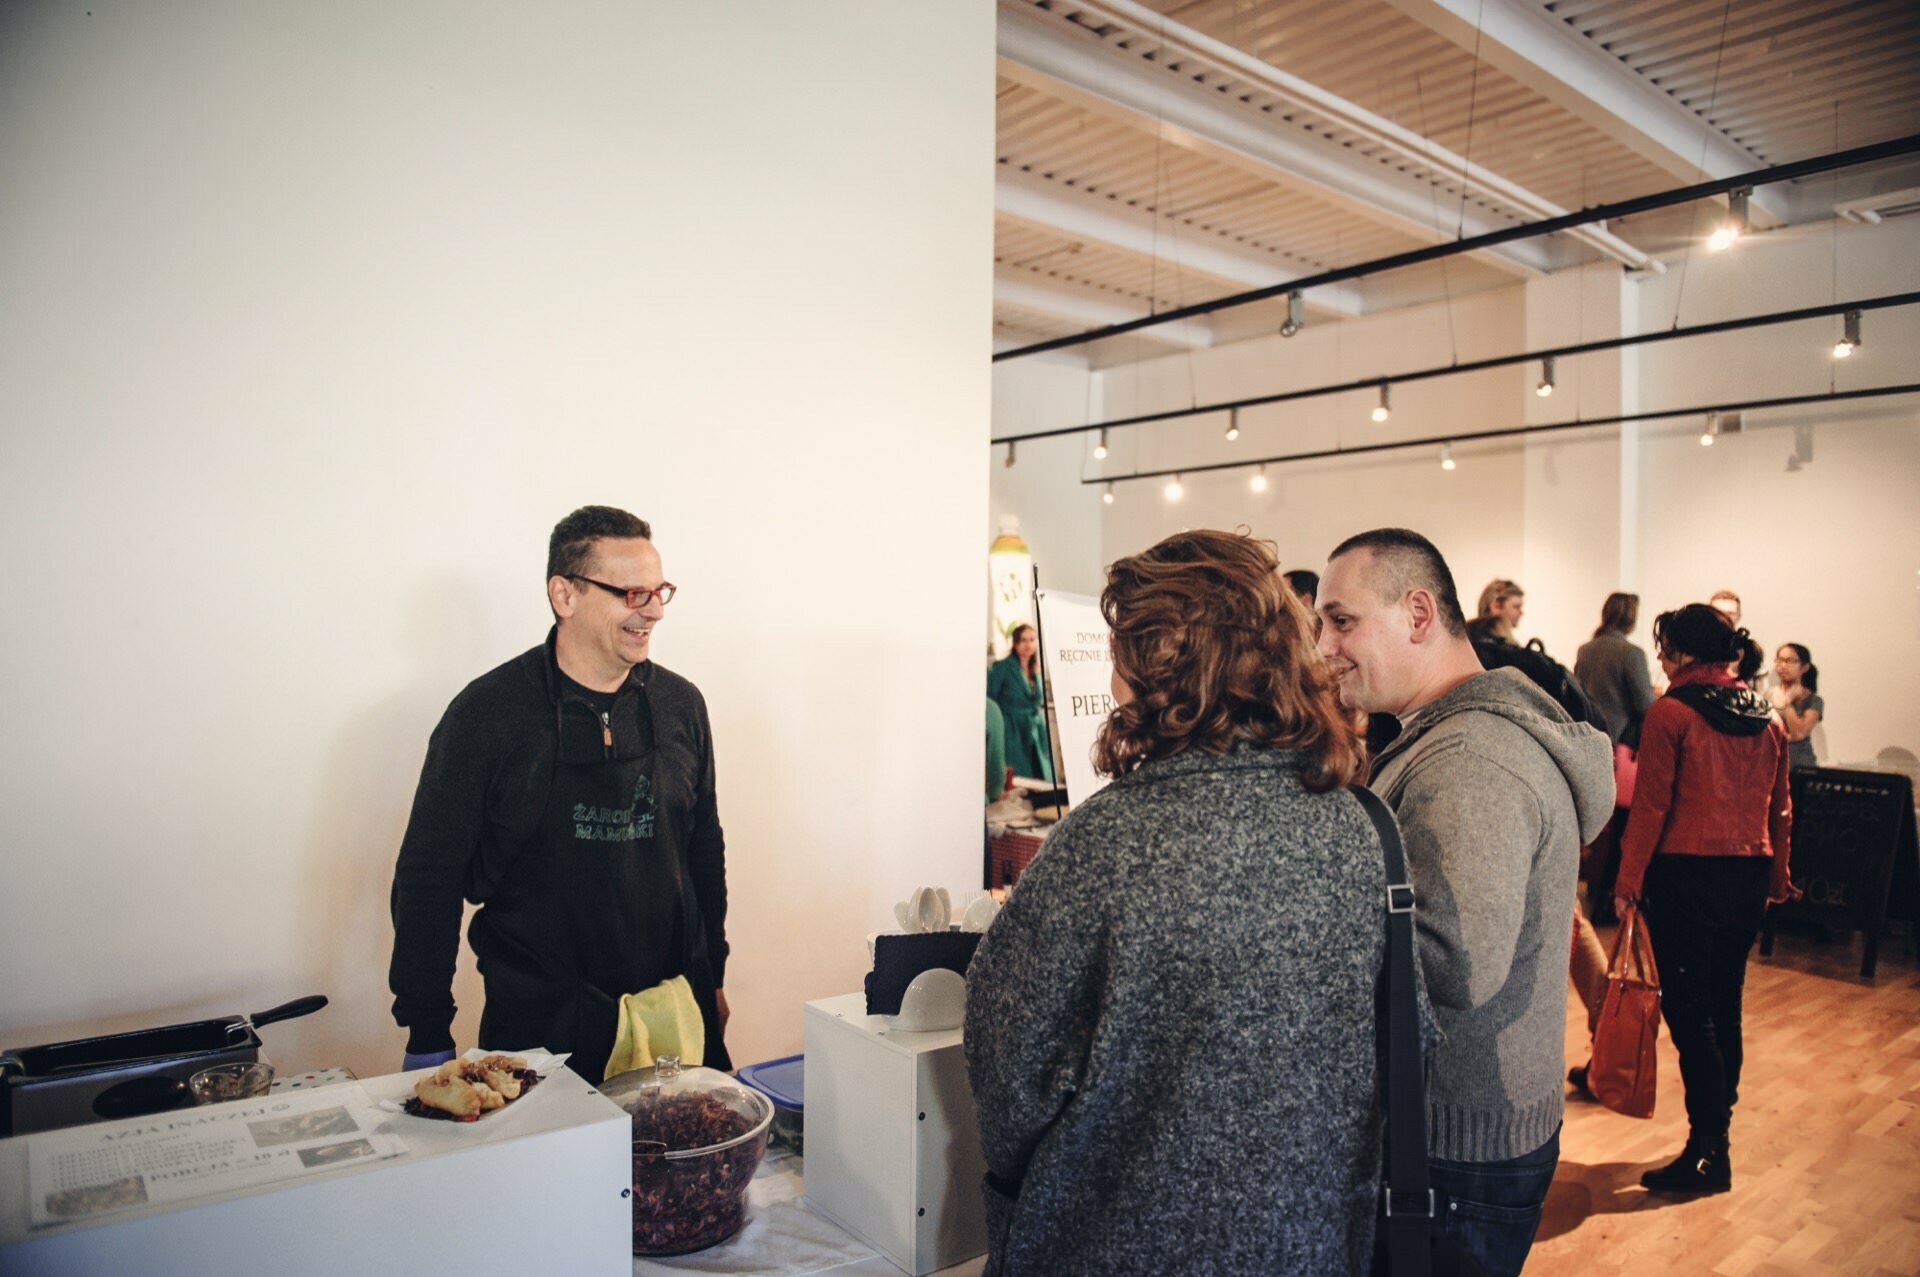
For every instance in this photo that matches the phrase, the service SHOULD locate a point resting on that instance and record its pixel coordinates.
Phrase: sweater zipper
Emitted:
(606, 731)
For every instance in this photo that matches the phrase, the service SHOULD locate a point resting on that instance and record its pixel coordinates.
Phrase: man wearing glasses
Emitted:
(569, 793)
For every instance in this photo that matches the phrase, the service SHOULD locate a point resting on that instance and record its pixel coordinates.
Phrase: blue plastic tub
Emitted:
(783, 1082)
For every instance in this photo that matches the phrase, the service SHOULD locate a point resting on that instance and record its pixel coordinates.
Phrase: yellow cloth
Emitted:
(663, 1020)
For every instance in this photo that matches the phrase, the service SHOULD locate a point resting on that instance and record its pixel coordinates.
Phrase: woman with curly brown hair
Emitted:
(1170, 1027)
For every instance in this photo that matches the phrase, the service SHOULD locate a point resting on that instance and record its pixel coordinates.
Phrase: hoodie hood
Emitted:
(1582, 754)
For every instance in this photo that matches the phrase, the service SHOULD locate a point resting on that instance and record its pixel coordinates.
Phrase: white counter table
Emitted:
(539, 1187)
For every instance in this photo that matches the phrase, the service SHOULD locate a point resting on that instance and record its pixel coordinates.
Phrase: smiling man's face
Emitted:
(1364, 636)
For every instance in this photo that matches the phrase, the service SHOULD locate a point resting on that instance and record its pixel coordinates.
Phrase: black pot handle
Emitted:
(289, 1010)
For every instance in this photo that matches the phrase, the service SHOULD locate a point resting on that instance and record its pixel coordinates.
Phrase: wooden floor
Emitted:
(1826, 1138)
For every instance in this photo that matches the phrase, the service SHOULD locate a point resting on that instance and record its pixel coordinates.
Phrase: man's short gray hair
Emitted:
(1403, 561)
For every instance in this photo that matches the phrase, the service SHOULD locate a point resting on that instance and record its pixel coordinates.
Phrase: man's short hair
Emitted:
(1405, 560)
(1302, 582)
(573, 537)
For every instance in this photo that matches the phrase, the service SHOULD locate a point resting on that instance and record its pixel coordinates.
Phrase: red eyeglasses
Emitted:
(635, 598)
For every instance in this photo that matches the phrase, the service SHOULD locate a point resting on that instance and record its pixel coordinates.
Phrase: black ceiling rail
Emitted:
(1751, 405)
(1480, 365)
(1892, 149)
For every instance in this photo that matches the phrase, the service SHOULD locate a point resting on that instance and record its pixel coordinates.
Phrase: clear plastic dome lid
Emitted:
(687, 1112)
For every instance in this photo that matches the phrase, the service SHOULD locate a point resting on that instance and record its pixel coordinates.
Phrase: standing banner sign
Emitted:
(1079, 666)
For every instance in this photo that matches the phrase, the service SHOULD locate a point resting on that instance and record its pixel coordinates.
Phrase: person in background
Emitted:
(1706, 848)
(1501, 606)
(1727, 603)
(1304, 584)
(1797, 698)
(1215, 910)
(1016, 685)
(570, 794)
(999, 775)
(1614, 674)
(1495, 788)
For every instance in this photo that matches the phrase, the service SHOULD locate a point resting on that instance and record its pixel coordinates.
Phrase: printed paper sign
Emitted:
(189, 1153)
(1079, 661)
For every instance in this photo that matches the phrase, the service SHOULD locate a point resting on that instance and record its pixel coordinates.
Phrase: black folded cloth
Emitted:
(898, 959)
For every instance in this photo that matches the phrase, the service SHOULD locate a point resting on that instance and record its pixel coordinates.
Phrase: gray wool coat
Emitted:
(1170, 1030)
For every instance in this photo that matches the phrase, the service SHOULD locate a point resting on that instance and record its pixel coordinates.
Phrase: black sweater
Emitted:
(480, 829)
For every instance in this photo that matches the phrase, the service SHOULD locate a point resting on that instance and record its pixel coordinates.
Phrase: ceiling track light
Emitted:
(1233, 425)
(1296, 315)
(1106, 498)
(1384, 408)
(1712, 431)
(1547, 370)
(1849, 335)
(1736, 224)
(1259, 481)
(1446, 456)
(1009, 460)
(1100, 445)
(1173, 491)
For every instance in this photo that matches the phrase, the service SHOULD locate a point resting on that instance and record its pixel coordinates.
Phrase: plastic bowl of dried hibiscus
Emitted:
(698, 1137)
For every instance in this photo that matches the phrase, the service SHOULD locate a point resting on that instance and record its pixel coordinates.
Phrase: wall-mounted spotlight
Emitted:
(1712, 431)
(1009, 460)
(1384, 408)
(1736, 224)
(1296, 315)
(1233, 425)
(1106, 498)
(1173, 491)
(1259, 481)
(1849, 336)
(1547, 370)
(1446, 456)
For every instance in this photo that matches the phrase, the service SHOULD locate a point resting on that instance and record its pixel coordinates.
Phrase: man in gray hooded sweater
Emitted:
(1495, 789)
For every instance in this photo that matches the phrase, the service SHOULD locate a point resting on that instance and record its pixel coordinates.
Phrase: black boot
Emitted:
(1578, 1076)
(1698, 1169)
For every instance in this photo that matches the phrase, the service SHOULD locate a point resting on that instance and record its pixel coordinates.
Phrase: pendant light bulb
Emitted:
(1233, 425)
(1296, 315)
(1547, 370)
(1736, 224)
(1100, 445)
(1446, 456)
(1849, 336)
(1259, 481)
(1712, 431)
(1384, 408)
(1173, 491)
(1106, 498)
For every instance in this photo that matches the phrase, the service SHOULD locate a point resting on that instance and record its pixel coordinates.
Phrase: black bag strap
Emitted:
(1409, 1197)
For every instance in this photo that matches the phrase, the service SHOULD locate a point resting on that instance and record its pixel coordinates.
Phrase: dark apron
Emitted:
(598, 904)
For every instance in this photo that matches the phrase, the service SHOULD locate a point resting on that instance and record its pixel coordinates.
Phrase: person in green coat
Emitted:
(1015, 685)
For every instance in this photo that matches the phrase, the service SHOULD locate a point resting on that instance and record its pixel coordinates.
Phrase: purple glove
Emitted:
(425, 1060)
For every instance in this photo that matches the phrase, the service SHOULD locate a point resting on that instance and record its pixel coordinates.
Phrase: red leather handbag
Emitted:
(1624, 1068)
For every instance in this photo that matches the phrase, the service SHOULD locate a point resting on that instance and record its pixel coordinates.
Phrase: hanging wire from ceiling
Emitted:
(1707, 131)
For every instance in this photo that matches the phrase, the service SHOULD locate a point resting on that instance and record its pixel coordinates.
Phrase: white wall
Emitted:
(318, 316)
(1059, 521)
(1828, 556)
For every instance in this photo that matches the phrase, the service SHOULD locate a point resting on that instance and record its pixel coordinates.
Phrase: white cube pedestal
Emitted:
(893, 1154)
(539, 1189)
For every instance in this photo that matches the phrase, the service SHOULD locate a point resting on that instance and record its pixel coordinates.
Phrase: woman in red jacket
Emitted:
(1704, 851)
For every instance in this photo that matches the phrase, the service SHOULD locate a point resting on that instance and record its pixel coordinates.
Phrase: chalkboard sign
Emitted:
(1854, 853)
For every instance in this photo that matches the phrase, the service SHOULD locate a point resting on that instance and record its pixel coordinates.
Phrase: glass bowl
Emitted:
(698, 1137)
(225, 1082)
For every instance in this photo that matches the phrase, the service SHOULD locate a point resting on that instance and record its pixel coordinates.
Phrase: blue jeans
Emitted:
(1488, 1212)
